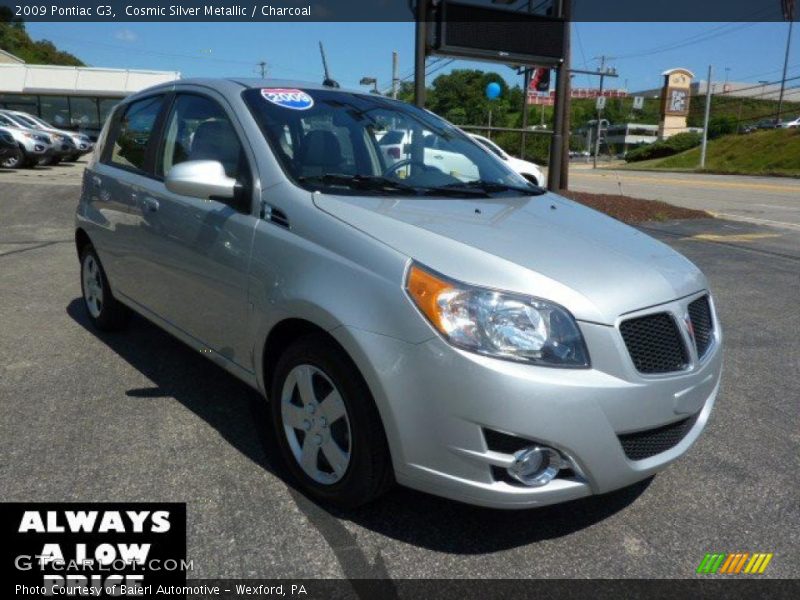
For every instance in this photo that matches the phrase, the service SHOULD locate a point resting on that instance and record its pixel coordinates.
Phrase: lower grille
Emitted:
(654, 343)
(702, 324)
(644, 444)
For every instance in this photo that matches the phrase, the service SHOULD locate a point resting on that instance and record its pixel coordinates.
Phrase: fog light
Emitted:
(536, 466)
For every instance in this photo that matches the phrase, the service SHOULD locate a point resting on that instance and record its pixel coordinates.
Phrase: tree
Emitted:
(15, 39)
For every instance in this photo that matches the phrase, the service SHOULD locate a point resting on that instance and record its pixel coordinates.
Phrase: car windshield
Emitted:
(351, 143)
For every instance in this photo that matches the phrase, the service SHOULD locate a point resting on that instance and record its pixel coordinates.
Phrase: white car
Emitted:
(791, 124)
(527, 169)
(394, 146)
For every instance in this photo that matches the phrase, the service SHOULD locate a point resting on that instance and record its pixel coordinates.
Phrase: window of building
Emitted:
(106, 106)
(83, 112)
(20, 102)
(134, 131)
(55, 110)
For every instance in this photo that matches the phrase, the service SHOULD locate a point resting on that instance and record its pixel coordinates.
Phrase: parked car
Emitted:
(791, 124)
(481, 339)
(527, 169)
(8, 147)
(33, 147)
(61, 145)
(81, 142)
(395, 147)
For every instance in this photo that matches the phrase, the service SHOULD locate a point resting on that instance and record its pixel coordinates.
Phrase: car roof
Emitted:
(235, 85)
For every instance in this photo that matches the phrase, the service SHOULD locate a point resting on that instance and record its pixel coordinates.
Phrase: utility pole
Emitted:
(788, 13)
(420, 53)
(603, 72)
(705, 120)
(263, 67)
(395, 77)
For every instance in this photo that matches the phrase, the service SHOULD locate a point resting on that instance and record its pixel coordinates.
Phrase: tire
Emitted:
(15, 161)
(325, 374)
(104, 311)
(50, 161)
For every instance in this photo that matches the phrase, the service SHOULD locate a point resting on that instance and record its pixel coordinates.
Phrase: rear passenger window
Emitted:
(134, 131)
(199, 129)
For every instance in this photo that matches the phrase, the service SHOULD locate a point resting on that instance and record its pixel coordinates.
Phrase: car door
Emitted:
(198, 250)
(112, 191)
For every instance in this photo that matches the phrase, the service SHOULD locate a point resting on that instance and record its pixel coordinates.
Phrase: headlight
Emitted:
(500, 324)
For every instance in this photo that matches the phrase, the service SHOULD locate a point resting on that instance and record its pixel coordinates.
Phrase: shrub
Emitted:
(672, 145)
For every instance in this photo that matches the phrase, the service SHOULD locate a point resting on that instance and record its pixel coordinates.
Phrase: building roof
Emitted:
(21, 78)
(7, 57)
(678, 70)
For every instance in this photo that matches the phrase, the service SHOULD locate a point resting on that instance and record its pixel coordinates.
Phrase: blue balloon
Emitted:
(493, 90)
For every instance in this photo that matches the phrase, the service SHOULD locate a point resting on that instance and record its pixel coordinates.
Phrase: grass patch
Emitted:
(771, 152)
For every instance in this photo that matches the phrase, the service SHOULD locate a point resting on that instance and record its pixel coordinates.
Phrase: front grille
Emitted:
(644, 444)
(654, 343)
(702, 323)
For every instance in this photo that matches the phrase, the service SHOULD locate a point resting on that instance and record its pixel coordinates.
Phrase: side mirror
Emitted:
(204, 179)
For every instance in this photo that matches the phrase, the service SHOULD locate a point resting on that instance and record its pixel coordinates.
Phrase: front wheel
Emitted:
(15, 161)
(327, 425)
(104, 311)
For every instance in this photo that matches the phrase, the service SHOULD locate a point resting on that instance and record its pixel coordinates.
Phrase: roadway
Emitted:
(138, 416)
(772, 201)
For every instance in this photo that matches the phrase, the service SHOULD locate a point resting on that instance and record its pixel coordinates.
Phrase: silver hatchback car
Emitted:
(457, 330)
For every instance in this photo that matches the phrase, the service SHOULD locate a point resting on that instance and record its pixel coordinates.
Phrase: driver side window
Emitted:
(199, 129)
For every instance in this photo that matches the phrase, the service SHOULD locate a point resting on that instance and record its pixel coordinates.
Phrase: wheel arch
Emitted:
(82, 240)
(288, 330)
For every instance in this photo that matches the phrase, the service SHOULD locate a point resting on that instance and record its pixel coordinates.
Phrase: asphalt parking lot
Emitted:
(139, 417)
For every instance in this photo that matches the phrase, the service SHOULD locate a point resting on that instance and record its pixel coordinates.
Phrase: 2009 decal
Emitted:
(288, 98)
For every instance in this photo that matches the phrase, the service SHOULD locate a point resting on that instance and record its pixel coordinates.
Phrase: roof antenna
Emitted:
(327, 82)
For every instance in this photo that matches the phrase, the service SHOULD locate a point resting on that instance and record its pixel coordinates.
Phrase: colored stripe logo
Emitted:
(735, 563)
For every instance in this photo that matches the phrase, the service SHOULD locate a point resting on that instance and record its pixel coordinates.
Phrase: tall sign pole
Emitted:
(705, 120)
(420, 52)
(555, 170)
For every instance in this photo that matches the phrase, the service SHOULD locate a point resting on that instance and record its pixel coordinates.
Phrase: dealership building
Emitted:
(70, 97)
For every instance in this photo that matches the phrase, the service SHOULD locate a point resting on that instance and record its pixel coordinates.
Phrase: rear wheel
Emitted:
(327, 425)
(104, 311)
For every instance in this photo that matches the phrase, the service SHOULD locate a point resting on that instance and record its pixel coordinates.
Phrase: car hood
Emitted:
(545, 246)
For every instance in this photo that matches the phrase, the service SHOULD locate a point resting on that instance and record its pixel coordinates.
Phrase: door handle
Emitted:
(438, 156)
(97, 181)
(150, 204)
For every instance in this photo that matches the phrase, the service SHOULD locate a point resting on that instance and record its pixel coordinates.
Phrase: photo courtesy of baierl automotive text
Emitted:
(452, 298)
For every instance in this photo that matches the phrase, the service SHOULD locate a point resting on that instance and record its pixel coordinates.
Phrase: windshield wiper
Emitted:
(360, 182)
(495, 186)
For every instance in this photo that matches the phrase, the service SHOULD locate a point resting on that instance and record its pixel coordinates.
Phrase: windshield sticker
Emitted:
(288, 98)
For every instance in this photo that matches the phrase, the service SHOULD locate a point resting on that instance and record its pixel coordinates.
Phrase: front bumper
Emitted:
(436, 401)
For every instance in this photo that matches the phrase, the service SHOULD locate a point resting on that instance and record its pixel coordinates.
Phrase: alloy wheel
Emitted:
(92, 286)
(316, 424)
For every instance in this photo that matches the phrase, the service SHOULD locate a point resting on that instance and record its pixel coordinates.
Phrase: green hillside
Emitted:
(14, 39)
(770, 152)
